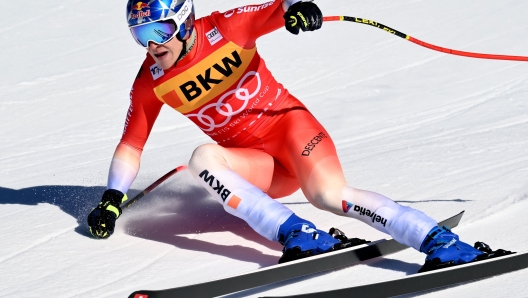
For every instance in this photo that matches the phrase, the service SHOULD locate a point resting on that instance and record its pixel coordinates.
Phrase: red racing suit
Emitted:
(268, 139)
(222, 85)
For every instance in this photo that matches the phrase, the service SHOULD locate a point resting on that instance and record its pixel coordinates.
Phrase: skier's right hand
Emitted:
(303, 15)
(102, 218)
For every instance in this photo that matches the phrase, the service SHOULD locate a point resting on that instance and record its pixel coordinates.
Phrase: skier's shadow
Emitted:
(394, 265)
(77, 201)
(167, 215)
(181, 211)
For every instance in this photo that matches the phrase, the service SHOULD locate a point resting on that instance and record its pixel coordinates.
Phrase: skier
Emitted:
(268, 144)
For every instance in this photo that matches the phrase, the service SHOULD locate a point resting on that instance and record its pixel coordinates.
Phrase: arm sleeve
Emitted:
(244, 25)
(142, 113)
(124, 167)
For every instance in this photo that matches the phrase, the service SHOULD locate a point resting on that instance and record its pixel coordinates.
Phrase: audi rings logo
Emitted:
(226, 109)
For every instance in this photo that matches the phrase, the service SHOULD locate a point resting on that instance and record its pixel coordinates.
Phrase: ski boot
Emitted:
(444, 249)
(302, 239)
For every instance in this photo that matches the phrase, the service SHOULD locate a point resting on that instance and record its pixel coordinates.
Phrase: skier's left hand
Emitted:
(305, 16)
(102, 218)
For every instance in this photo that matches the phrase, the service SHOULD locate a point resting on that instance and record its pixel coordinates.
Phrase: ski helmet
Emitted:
(160, 20)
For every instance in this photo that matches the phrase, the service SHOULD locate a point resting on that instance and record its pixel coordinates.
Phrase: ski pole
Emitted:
(152, 186)
(423, 44)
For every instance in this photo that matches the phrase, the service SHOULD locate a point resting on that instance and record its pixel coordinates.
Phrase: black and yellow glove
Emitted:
(102, 218)
(305, 16)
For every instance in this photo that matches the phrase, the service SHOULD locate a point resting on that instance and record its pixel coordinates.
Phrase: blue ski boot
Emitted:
(444, 249)
(302, 239)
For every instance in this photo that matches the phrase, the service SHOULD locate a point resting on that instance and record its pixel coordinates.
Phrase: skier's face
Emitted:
(166, 54)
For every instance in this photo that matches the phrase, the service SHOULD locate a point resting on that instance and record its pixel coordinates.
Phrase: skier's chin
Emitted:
(165, 54)
(164, 59)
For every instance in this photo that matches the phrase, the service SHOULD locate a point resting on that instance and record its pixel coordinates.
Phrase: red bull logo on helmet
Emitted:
(138, 10)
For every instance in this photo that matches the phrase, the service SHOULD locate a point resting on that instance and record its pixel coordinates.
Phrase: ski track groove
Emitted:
(448, 135)
(52, 92)
(11, 214)
(56, 133)
(72, 265)
(497, 208)
(84, 142)
(43, 99)
(492, 169)
(64, 146)
(40, 242)
(77, 71)
(434, 56)
(490, 179)
(32, 228)
(54, 172)
(89, 150)
(424, 141)
(514, 161)
(430, 117)
(403, 129)
(43, 153)
(54, 160)
(442, 137)
(150, 263)
(374, 77)
(496, 37)
(445, 21)
(383, 8)
(91, 45)
(468, 80)
(80, 261)
(368, 57)
(31, 20)
(300, 84)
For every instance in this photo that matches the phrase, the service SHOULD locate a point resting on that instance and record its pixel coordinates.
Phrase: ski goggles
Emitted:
(162, 31)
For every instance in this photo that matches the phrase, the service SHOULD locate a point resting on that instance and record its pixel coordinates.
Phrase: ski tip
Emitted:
(181, 168)
(139, 294)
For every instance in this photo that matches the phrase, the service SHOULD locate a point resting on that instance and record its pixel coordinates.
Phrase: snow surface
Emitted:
(436, 132)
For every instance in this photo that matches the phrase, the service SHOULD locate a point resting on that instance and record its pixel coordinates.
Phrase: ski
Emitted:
(430, 280)
(289, 270)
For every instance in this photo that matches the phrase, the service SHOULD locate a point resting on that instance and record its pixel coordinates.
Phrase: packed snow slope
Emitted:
(433, 131)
